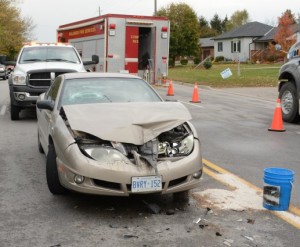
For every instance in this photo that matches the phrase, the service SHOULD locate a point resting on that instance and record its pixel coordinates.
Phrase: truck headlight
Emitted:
(19, 79)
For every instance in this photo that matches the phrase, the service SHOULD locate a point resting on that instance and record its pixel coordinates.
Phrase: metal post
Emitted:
(155, 7)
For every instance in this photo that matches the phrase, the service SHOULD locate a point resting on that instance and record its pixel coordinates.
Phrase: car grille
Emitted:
(107, 185)
(42, 79)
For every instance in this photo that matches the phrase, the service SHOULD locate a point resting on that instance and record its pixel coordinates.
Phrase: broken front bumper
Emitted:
(115, 179)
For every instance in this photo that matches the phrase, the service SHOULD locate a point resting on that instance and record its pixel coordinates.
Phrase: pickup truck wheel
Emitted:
(289, 103)
(52, 174)
(14, 112)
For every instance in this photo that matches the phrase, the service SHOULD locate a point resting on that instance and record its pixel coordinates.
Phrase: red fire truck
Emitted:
(124, 43)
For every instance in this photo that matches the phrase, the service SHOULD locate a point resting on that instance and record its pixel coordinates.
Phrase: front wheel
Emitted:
(52, 174)
(289, 103)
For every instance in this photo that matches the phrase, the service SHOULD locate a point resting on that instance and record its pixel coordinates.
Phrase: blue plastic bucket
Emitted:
(278, 184)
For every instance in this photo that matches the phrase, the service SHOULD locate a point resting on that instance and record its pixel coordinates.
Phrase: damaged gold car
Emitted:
(112, 134)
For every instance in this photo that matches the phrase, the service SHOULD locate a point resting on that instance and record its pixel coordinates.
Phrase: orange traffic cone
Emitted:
(195, 98)
(277, 124)
(170, 89)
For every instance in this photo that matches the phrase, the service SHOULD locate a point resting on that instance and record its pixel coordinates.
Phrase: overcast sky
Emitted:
(47, 15)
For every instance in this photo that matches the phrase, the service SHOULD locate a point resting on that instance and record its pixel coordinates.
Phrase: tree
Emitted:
(216, 24)
(184, 25)
(224, 24)
(14, 30)
(237, 19)
(285, 30)
(205, 29)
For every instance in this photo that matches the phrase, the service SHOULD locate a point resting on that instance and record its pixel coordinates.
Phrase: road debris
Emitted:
(218, 234)
(228, 242)
(196, 221)
(202, 226)
(249, 238)
(154, 208)
(127, 236)
(170, 212)
(250, 221)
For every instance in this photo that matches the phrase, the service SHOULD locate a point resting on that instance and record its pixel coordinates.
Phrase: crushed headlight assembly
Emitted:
(177, 148)
(19, 79)
(187, 145)
(106, 155)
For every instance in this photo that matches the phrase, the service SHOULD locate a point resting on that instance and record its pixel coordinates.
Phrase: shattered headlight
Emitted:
(106, 155)
(177, 148)
(187, 145)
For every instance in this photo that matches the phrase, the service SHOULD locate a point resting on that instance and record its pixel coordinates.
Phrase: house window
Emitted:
(220, 46)
(235, 46)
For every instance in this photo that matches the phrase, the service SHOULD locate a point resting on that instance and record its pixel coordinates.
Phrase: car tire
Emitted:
(289, 102)
(14, 112)
(41, 150)
(53, 182)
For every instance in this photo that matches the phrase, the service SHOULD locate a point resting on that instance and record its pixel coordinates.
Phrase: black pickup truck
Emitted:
(289, 86)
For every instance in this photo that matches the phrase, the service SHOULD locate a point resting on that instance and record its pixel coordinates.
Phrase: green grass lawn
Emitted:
(251, 75)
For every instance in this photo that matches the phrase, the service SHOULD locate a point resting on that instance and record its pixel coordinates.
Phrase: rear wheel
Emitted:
(52, 174)
(289, 103)
(14, 112)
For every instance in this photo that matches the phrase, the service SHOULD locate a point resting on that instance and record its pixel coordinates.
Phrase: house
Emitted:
(243, 42)
(207, 48)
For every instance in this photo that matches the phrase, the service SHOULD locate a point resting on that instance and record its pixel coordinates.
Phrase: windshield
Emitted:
(49, 54)
(106, 90)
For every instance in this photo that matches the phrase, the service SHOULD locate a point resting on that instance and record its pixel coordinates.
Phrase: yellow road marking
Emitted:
(213, 168)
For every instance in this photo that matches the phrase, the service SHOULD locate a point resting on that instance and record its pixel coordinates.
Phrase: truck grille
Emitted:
(42, 79)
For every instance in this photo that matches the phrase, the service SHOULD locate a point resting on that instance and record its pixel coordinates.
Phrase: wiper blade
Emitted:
(32, 60)
(59, 60)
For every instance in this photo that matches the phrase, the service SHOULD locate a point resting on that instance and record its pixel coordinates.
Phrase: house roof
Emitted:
(206, 42)
(269, 36)
(250, 29)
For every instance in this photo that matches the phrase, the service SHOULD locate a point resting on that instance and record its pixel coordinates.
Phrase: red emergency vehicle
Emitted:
(124, 43)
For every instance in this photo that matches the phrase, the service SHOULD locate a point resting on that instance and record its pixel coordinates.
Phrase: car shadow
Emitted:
(132, 206)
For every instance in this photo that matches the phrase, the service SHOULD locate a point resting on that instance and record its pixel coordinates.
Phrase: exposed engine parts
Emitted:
(177, 142)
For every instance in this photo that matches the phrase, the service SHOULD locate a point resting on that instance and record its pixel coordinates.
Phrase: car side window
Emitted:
(52, 93)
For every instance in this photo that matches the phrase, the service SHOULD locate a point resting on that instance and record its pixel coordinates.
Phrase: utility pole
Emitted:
(99, 11)
(155, 7)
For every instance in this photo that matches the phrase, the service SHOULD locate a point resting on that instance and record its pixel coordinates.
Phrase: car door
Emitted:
(45, 117)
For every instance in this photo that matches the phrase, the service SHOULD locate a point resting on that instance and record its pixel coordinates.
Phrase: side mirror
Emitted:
(95, 60)
(45, 105)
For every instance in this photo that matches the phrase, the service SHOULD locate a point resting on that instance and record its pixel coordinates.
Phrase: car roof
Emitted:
(80, 75)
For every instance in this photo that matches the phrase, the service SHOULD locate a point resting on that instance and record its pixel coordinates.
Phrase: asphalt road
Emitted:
(233, 130)
(233, 126)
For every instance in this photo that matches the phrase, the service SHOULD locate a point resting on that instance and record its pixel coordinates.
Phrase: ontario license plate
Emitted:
(146, 184)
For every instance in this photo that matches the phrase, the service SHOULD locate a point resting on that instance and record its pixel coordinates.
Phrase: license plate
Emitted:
(146, 184)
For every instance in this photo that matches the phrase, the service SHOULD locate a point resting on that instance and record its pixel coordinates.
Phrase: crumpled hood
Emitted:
(135, 123)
